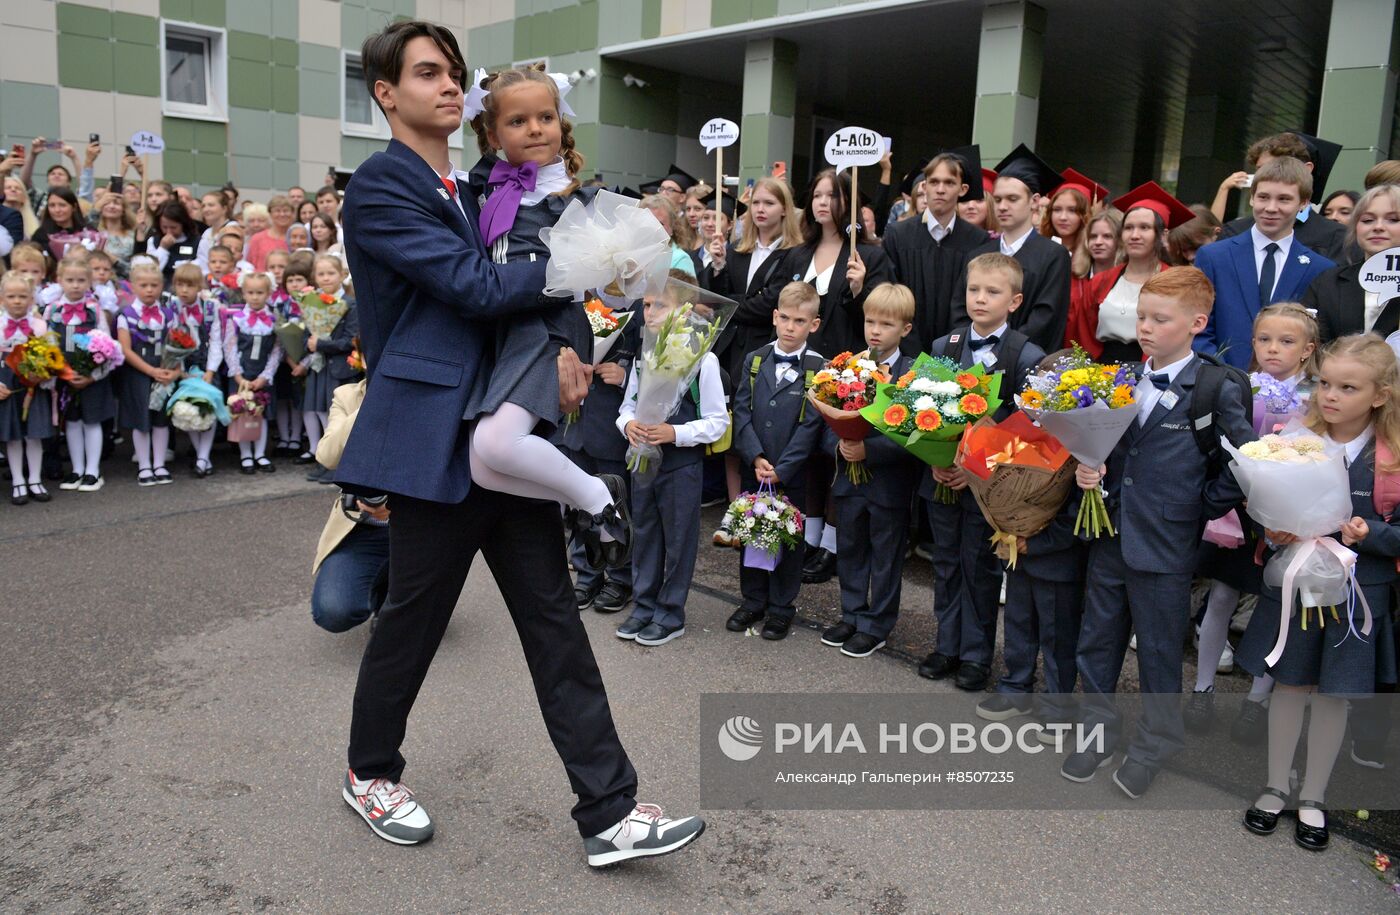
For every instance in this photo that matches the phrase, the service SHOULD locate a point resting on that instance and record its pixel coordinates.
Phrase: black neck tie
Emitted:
(1266, 275)
(985, 342)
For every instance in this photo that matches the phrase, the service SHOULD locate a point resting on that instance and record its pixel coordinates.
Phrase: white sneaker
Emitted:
(1227, 660)
(642, 833)
(389, 808)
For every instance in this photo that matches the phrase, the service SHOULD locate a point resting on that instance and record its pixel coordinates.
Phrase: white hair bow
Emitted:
(476, 96)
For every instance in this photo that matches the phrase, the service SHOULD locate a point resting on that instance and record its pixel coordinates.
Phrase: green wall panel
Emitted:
(286, 94)
(211, 170)
(143, 30)
(319, 57)
(137, 69)
(31, 111)
(84, 62)
(249, 83)
(177, 166)
(76, 19)
(651, 18)
(318, 94)
(254, 15)
(249, 46)
(285, 21)
(285, 52)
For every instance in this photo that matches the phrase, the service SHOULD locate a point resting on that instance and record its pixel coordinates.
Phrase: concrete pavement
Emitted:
(173, 733)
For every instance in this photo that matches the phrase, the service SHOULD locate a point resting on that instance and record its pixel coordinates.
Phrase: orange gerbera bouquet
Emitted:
(928, 408)
(839, 391)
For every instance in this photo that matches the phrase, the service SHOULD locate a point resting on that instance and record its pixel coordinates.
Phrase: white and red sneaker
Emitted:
(645, 832)
(389, 808)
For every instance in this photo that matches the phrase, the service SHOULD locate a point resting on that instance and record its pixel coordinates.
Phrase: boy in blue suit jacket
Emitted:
(1161, 490)
(775, 432)
(967, 574)
(1267, 264)
(872, 518)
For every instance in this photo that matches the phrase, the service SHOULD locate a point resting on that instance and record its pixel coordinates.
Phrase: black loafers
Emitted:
(742, 619)
(937, 666)
(972, 676)
(775, 629)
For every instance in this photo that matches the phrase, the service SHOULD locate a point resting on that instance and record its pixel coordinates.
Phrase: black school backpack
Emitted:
(1205, 400)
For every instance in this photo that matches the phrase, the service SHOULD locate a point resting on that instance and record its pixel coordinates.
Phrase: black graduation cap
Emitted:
(728, 203)
(683, 179)
(1030, 169)
(971, 157)
(626, 191)
(1324, 155)
(906, 184)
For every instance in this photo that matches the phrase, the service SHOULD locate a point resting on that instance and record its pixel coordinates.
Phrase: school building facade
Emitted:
(268, 93)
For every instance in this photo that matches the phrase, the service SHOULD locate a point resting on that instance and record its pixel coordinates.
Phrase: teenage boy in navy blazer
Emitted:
(592, 442)
(775, 432)
(425, 285)
(967, 574)
(1161, 489)
(873, 517)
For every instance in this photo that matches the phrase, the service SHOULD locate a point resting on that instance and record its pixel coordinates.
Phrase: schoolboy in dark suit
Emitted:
(1161, 490)
(967, 574)
(775, 432)
(873, 517)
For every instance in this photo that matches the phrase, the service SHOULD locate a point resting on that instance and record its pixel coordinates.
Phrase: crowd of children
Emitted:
(141, 337)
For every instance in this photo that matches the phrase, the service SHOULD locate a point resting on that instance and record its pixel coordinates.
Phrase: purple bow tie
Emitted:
(511, 183)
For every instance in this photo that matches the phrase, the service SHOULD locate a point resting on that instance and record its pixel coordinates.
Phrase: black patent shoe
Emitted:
(742, 619)
(616, 519)
(1313, 838)
(938, 666)
(1264, 822)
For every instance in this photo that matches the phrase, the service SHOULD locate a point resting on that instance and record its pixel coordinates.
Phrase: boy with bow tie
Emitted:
(775, 432)
(967, 574)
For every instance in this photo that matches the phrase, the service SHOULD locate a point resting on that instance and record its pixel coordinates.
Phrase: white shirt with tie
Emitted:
(1262, 241)
(782, 370)
(985, 356)
(1147, 394)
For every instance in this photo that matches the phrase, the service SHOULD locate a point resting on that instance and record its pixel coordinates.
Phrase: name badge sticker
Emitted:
(1169, 399)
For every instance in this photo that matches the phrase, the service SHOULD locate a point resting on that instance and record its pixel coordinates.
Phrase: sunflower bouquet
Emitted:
(931, 405)
(843, 387)
(1088, 406)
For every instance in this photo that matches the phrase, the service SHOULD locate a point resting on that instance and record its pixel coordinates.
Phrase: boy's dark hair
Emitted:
(381, 55)
(328, 189)
(100, 255)
(1278, 146)
(225, 250)
(59, 168)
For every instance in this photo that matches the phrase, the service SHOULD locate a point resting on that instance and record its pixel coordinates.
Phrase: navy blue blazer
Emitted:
(774, 421)
(894, 471)
(1229, 263)
(1162, 489)
(426, 291)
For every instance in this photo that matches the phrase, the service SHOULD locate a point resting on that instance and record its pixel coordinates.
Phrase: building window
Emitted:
(194, 71)
(359, 115)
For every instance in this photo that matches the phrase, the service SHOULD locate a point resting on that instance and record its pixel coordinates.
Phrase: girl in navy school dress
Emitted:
(90, 402)
(1353, 407)
(23, 438)
(325, 363)
(190, 313)
(1285, 342)
(250, 357)
(523, 191)
(286, 390)
(142, 327)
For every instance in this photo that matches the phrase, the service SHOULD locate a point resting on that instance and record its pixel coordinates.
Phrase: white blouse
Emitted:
(820, 280)
(1118, 313)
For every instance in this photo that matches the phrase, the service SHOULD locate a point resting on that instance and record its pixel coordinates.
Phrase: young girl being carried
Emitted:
(23, 436)
(1354, 408)
(523, 191)
(1285, 355)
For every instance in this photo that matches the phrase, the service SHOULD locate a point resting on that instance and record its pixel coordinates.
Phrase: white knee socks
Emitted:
(14, 453)
(141, 442)
(507, 458)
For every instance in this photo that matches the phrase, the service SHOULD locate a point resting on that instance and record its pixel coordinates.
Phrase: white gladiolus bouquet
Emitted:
(609, 240)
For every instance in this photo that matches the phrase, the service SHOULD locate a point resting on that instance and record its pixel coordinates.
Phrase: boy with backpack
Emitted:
(1164, 480)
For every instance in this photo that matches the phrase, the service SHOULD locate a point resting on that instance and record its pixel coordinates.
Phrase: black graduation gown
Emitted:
(843, 318)
(752, 324)
(1044, 307)
(1324, 236)
(931, 269)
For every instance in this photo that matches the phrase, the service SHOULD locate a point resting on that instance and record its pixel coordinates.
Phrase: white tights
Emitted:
(315, 423)
(150, 447)
(84, 447)
(203, 444)
(1326, 727)
(21, 450)
(288, 422)
(507, 458)
(256, 449)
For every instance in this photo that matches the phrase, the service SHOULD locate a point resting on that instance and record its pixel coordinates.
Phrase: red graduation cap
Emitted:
(1084, 184)
(989, 179)
(1153, 196)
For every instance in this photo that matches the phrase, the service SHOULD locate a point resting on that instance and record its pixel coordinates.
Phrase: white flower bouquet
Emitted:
(766, 524)
(609, 240)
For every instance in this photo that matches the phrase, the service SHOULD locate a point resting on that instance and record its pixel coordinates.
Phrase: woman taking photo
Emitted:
(1343, 307)
(1107, 326)
(841, 276)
